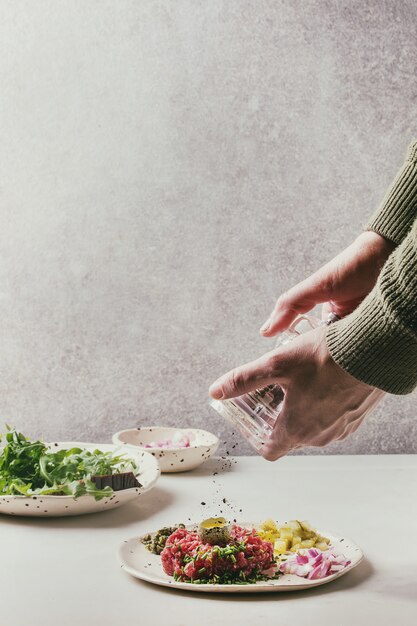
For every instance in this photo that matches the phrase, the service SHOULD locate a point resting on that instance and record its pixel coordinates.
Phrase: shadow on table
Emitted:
(212, 467)
(146, 506)
(401, 584)
(355, 578)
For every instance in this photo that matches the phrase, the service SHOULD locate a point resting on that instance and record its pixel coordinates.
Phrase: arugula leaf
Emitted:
(30, 468)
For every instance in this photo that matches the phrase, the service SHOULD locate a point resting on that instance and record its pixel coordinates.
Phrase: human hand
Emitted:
(322, 402)
(341, 284)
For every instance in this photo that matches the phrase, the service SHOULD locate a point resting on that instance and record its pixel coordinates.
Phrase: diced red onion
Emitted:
(314, 564)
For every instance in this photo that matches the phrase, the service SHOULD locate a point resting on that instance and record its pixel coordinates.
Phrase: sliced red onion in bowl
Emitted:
(179, 440)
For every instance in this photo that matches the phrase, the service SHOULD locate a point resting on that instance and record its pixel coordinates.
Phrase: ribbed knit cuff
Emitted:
(371, 345)
(412, 152)
(398, 209)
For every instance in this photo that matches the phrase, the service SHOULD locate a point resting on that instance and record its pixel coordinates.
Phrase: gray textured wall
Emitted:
(167, 168)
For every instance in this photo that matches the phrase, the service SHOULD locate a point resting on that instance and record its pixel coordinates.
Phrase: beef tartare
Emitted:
(245, 558)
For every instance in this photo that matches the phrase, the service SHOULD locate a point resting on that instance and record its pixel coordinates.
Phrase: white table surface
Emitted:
(66, 571)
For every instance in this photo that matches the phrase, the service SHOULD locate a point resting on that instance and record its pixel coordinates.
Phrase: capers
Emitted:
(155, 542)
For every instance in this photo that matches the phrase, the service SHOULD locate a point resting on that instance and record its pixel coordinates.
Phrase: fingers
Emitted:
(326, 309)
(271, 453)
(264, 371)
(292, 430)
(279, 446)
(300, 299)
(349, 430)
(280, 442)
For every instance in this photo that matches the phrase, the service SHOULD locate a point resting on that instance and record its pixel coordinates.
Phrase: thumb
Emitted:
(266, 370)
(299, 299)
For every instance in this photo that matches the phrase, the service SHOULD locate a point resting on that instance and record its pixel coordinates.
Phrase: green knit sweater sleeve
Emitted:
(377, 343)
(398, 210)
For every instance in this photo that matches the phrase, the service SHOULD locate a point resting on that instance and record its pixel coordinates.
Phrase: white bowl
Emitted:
(50, 506)
(202, 445)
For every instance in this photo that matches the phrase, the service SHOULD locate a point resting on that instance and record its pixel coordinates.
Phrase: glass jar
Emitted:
(254, 413)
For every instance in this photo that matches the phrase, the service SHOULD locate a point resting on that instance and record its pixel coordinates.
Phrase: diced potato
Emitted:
(309, 535)
(280, 546)
(269, 531)
(307, 527)
(286, 533)
(292, 536)
(269, 526)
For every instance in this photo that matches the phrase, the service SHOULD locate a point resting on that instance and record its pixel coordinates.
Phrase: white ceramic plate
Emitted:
(49, 506)
(203, 444)
(140, 563)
